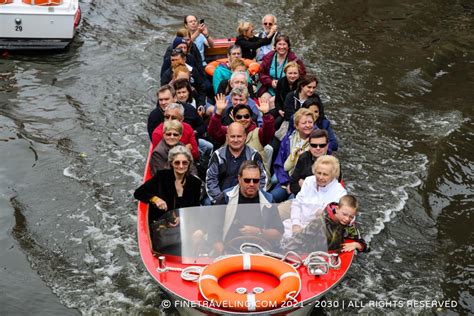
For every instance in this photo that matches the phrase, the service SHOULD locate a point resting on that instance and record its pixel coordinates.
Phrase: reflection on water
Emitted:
(394, 77)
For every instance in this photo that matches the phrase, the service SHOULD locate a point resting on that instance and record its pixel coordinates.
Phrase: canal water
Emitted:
(396, 79)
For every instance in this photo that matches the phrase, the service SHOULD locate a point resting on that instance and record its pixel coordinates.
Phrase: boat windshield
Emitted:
(213, 231)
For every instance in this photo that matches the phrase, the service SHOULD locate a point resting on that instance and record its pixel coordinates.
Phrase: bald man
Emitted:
(225, 162)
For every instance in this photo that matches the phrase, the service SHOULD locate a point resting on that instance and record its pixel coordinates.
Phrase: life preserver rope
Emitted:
(319, 262)
(288, 289)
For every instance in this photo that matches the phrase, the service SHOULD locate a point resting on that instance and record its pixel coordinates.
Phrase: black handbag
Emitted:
(166, 238)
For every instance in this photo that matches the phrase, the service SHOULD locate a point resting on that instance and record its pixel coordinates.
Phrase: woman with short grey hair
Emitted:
(173, 188)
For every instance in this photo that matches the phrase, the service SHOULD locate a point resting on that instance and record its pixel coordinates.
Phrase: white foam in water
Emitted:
(137, 179)
(110, 270)
(148, 77)
(414, 80)
(69, 172)
(440, 73)
(388, 214)
(438, 125)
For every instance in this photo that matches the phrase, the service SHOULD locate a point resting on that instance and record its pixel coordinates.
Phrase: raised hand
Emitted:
(221, 103)
(274, 29)
(201, 110)
(264, 105)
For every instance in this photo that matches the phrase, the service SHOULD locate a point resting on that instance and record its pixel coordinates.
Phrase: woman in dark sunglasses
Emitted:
(257, 137)
(172, 132)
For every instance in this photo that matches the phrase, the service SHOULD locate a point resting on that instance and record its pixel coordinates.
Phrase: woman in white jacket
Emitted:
(317, 191)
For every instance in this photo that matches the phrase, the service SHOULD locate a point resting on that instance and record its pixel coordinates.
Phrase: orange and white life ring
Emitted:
(289, 287)
(252, 66)
(43, 2)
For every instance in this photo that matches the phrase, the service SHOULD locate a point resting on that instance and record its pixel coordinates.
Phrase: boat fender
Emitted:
(252, 66)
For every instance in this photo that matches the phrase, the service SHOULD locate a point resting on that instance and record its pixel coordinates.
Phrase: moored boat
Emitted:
(251, 278)
(38, 24)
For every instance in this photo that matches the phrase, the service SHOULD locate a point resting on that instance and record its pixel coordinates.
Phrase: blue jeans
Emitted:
(279, 194)
(205, 151)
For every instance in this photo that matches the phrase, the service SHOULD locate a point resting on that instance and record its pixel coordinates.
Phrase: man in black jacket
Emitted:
(166, 95)
(178, 57)
(318, 146)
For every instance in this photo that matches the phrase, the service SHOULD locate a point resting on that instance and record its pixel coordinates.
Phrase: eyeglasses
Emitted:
(248, 180)
(177, 51)
(172, 134)
(182, 162)
(170, 117)
(266, 23)
(318, 145)
(245, 116)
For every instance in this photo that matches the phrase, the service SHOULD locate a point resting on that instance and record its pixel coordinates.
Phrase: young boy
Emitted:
(337, 222)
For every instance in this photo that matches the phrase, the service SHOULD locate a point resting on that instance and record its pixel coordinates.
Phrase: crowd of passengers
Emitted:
(210, 132)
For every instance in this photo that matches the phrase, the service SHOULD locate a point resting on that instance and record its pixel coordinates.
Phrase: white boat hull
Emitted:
(24, 26)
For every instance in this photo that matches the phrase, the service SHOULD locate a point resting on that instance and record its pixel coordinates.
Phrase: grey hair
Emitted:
(179, 150)
(270, 15)
(239, 73)
(177, 106)
(240, 91)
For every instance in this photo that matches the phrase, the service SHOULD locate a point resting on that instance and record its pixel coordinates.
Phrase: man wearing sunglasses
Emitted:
(268, 21)
(257, 137)
(259, 219)
(318, 146)
(225, 163)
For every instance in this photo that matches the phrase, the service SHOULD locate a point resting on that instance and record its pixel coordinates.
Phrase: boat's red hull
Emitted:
(172, 283)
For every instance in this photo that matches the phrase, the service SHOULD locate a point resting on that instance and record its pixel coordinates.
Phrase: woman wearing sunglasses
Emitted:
(257, 137)
(172, 132)
(172, 188)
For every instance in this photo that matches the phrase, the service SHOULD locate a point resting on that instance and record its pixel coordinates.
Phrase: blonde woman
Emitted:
(292, 146)
(250, 43)
(172, 132)
(316, 192)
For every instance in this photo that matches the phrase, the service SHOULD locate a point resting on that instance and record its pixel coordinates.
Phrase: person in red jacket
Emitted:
(175, 111)
(241, 113)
